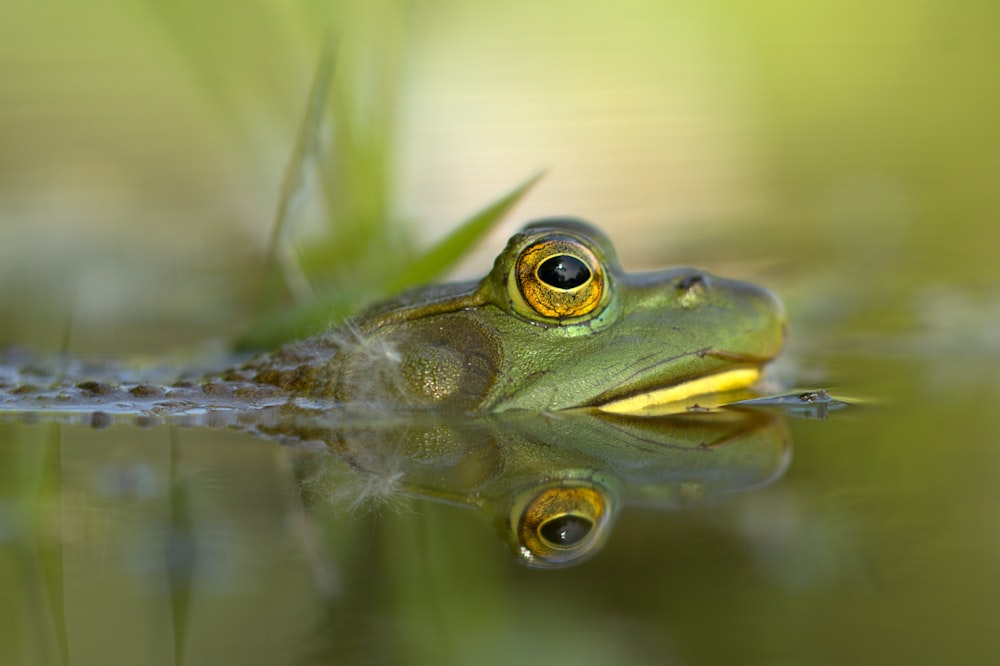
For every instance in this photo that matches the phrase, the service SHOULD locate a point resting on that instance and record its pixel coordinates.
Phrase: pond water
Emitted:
(867, 537)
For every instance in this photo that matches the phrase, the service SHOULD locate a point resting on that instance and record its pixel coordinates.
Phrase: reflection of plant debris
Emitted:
(328, 481)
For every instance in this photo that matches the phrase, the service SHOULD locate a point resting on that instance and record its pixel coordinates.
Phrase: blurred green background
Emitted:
(142, 144)
(846, 154)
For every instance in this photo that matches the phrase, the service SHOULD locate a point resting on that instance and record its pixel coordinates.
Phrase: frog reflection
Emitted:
(552, 483)
(553, 486)
(560, 522)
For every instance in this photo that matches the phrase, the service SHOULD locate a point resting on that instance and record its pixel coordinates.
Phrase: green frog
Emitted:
(555, 325)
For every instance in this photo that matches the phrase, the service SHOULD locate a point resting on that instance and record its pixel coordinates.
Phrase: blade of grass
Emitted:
(281, 263)
(332, 308)
(437, 260)
(355, 171)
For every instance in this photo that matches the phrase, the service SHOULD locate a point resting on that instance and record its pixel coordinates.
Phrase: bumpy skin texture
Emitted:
(556, 324)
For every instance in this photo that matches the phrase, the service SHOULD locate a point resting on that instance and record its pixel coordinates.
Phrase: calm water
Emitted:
(204, 546)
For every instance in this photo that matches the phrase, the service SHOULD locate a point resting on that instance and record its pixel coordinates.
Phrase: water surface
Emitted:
(197, 545)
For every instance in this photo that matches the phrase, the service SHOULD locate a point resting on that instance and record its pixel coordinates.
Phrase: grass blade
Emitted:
(437, 260)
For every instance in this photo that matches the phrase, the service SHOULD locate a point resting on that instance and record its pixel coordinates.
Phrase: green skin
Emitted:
(474, 348)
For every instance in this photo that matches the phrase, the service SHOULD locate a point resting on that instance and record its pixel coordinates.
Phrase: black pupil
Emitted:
(563, 272)
(565, 530)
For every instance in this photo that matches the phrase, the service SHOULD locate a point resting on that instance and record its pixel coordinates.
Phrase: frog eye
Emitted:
(558, 278)
(560, 524)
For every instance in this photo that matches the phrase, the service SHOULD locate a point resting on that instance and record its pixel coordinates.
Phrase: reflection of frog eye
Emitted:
(558, 278)
(559, 524)
(564, 531)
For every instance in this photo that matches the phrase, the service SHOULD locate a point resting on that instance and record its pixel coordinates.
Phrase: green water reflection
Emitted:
(191, 545)
(128, 538)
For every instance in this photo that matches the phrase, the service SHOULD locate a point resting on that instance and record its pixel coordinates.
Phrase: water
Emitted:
(197, 545)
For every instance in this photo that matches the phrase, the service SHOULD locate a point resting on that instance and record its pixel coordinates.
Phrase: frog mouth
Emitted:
(740, 372)
(676, 395)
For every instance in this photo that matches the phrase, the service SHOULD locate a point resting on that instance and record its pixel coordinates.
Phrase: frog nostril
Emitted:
(691, 281)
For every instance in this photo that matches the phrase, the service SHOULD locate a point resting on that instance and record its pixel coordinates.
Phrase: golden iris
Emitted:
(559, 521)
(560, 278)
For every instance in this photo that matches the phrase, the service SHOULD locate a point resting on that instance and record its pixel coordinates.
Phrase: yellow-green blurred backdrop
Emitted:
(142, 143)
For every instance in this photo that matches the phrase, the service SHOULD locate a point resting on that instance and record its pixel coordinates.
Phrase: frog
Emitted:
(555, 325)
